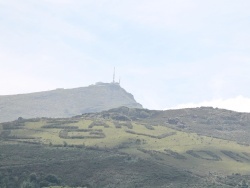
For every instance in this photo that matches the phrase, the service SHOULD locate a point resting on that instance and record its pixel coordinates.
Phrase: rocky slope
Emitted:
(65, 102)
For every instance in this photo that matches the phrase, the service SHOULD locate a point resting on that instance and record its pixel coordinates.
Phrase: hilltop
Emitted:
(65, 102)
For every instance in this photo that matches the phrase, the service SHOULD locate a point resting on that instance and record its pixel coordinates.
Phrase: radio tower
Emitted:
(114, 76)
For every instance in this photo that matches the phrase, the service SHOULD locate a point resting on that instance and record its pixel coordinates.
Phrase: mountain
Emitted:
(65, 102)
(129, 147)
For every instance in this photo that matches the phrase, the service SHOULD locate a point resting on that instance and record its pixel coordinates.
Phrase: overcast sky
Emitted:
(168, 53)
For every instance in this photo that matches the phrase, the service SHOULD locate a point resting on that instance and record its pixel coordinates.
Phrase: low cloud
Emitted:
(239, 104)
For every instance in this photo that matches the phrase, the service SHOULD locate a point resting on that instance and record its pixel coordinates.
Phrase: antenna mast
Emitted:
(114, 76)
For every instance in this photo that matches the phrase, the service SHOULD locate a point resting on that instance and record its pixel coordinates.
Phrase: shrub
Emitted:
(65, 144)
(51, 178)
(27, 184)
(33, 177)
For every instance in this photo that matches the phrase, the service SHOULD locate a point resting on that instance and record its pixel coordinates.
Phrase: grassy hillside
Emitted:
(207, 121)
(65, 102)
(152, 145)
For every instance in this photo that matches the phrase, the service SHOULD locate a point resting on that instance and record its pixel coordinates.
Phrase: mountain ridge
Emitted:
(65, 102)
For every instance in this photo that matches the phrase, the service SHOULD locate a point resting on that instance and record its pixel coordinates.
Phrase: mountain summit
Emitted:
(65, 102)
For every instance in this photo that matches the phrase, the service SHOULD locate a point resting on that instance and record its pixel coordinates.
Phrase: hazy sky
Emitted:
(168, 53)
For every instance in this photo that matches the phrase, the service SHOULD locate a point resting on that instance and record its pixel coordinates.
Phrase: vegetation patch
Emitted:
(130, 143)
(4, 134)
(13, 125)
(152, 153)
(246, 154)
(62, 121)
(92, 133)
(34, 142)
(59, 126)
(123, 124)
(152, 136)
(98, 124)
(32, 181)
(235, 156)
(204, 154)
(17, 124)
(148, 126)
(20, 137)
(174, 154)
(119, 117)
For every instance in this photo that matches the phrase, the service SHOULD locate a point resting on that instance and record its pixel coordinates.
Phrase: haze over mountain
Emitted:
(65, 102)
